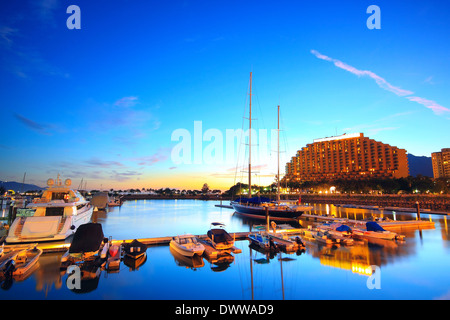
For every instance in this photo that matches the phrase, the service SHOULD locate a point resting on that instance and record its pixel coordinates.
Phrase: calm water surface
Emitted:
(414, 269)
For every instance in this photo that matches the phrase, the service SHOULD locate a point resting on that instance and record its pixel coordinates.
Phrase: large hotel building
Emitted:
(441, 163)
(349, 156)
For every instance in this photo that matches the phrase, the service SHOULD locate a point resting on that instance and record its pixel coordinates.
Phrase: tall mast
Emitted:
(250, 143)
(278, 155)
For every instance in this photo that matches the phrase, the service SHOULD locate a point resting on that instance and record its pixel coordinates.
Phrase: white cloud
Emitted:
(382, 83)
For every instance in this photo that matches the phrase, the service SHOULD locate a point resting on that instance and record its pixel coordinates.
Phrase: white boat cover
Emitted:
(40, 226)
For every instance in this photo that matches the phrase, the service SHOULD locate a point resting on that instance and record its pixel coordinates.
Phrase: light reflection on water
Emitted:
(414, 269)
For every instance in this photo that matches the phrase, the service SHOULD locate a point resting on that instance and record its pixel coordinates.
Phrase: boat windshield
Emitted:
(187, 240)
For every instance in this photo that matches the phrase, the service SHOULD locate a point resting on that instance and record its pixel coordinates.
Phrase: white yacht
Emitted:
(58, 214)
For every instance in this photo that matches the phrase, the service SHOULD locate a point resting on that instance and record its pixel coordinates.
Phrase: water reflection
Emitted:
(268, 275)
(134, 264)
(192, 263)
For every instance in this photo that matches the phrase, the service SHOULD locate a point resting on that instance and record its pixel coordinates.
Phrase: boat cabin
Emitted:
(59, 202)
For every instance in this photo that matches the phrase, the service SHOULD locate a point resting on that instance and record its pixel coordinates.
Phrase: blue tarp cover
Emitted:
(373, 226)
(343, 228)
(259, 200)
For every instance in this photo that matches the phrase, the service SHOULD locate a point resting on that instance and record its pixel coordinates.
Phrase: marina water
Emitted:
(416, 268)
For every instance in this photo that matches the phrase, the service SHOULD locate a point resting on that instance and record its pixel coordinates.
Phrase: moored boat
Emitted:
(114, 257)
(88, 244)
(374, 230)
(19, 260)
(187, 245)
(263, 241)
(7, 261)
(340, 233)
(115, 202)
(322, 237)
(258, 207)
(134, 249)
(58, 214)
(219, 237)
(25, 260)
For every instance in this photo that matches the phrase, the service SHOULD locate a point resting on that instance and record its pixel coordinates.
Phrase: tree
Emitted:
(205, 188)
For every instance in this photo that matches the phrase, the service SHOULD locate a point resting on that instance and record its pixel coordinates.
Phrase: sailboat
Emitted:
(259, 207)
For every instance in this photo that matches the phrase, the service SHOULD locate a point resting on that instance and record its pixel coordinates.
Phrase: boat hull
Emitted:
(70, 227)
(260, 212)
(260, 241)
(376, 235)
(185, 251)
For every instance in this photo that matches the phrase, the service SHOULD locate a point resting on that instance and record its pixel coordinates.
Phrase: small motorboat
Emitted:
(116, 202)
(263, 241)
(20, 260)
(375, 231)
(134, 264)
(187, 245)
(134, 249)
(114, 257)
(7, 262)
(322, 237)
(88, 244)
(219, 237)
(25, 260)
(340, 233)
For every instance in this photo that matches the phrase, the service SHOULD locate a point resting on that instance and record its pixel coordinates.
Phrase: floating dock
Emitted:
(395, 224)
(397, 209)
(223, 206)
(51, 247)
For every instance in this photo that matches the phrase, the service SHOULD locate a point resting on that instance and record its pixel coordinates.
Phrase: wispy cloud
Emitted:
(382, 83)
(23, 61)
(45, 10)
(38, 127)
(124, 176)
(126, 102)
(162, 154)
(95, 162)
(430, 104)
(429, 80)
(6, 34)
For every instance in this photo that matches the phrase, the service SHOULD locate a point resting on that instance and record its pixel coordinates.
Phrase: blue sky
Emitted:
(101, 103)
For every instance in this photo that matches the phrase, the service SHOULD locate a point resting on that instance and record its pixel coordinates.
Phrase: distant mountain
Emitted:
(420, 165)
(19, 186)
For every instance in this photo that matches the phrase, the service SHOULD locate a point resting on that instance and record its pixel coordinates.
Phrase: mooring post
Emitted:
(418, 210)
(10, 215)
(267, 219)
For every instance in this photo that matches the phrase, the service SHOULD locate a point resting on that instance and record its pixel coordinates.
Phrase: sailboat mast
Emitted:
(250, 143)
(278, 157)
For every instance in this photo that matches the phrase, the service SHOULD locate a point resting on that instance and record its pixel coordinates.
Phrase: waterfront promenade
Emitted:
(432, 202)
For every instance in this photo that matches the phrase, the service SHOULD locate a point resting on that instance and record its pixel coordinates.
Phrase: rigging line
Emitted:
(242, 130)
(285, 140)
